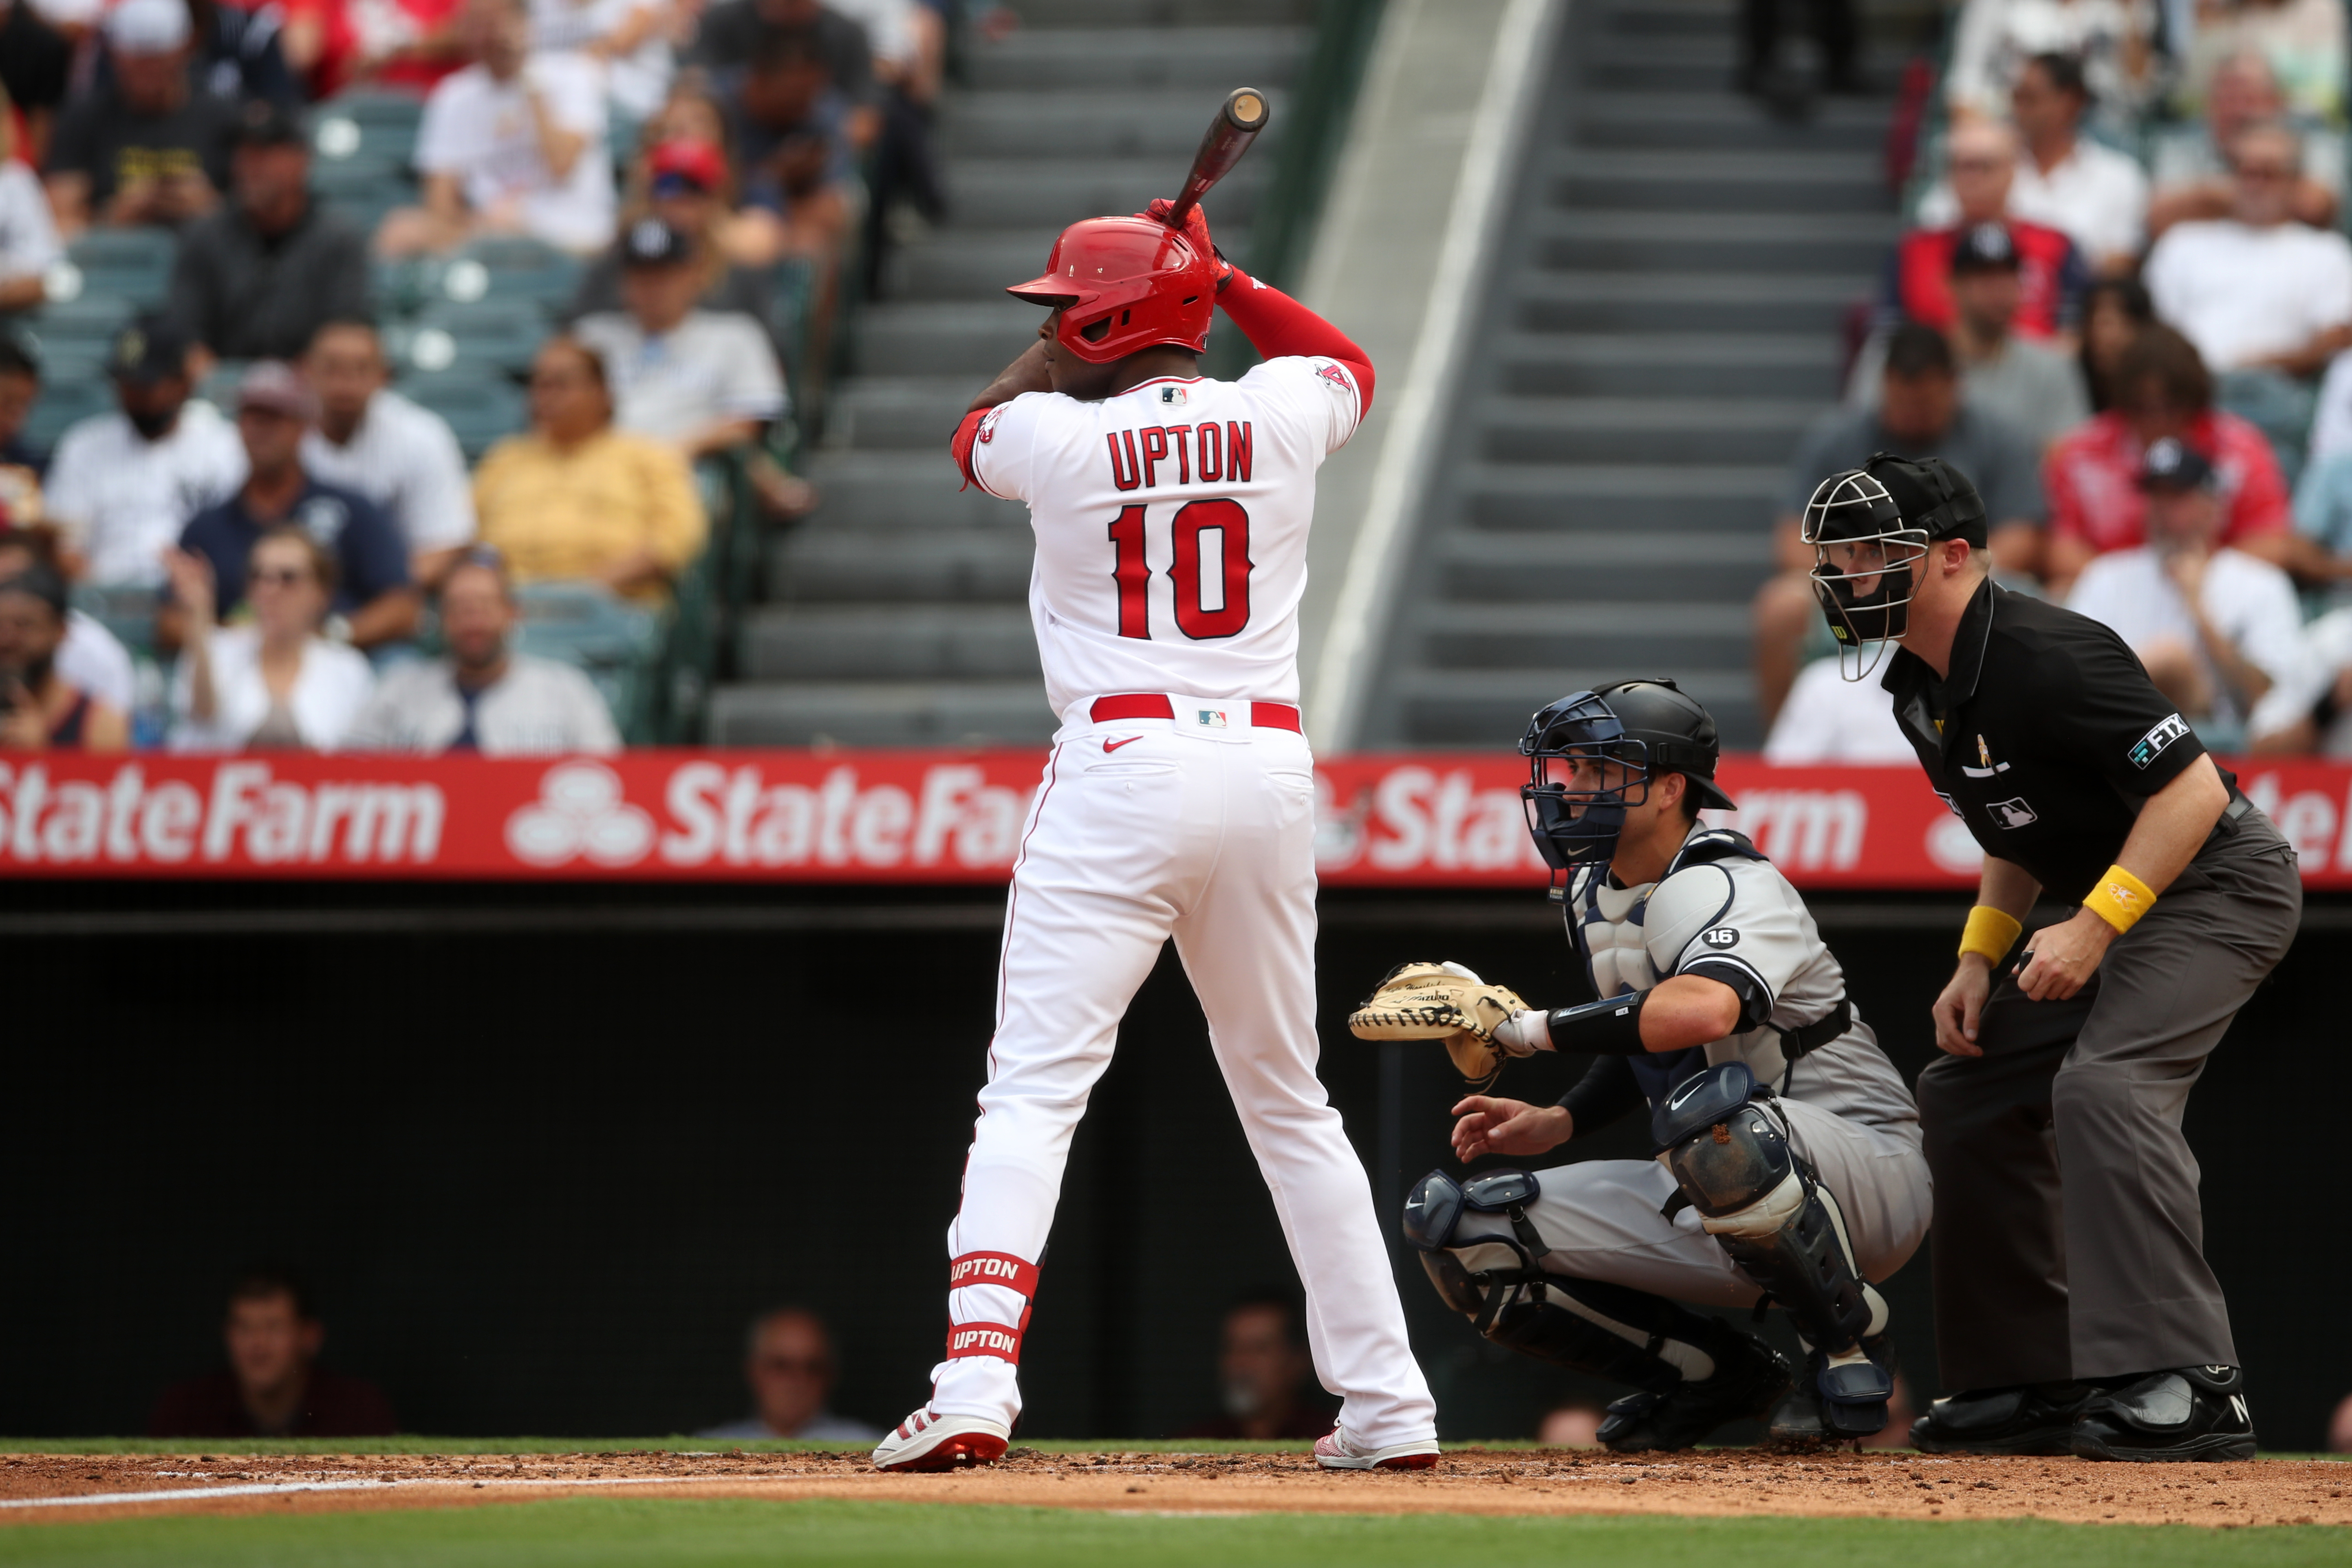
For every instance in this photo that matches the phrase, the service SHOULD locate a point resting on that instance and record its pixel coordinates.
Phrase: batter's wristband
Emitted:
(2119, 898)
(1990, 932)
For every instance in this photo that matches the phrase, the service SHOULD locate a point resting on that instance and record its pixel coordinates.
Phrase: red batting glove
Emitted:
(1196, 229)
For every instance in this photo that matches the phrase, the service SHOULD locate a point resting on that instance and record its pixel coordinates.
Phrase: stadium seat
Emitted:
(129, 613)
(615, 644)
(132, 264)
(481, 409)
(466, 340)
(503, 270)
(219, 387)
(363, 192)
(369, 127)
(64, 402)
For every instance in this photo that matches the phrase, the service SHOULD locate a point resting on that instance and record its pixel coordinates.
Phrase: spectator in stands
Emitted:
(1829, 719)
(684, 183)
(122, 485)
(1997, 39)
(2192, 162)
(36, 68)
(576, 499)
(233, 53)
(2310, 708)
(483, 697)
(273, 1386)
(2216, 627)
(2301, 41)
(1920, 413)
(2113, 314)
(1261, 1374)
(704, 381)
(2094, 195)
(2030, 386)
(514, 143)
(789, 1363)
(91, 659)
(2257, 289)
(146, 148)
(40, 709)
(905, 192)
(791, 142)
(255, 279)
(2161, 389)
(626, 40)
(734, 31)
(21, 465)
(1981, 158)
(374, 601)
(28, 234)
(396, 453)
(272, 683)
(387, 45)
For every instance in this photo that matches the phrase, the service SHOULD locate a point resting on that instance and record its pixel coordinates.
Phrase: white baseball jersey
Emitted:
(1171, 526)
(1724, 912)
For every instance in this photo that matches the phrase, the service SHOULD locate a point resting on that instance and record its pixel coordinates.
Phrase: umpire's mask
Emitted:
(1869, 527)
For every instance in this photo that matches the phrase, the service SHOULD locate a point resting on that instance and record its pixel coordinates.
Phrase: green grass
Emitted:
(591, 1532)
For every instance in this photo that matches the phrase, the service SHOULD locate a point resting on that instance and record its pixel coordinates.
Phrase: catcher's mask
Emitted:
(1592, 754)
(1869, 528)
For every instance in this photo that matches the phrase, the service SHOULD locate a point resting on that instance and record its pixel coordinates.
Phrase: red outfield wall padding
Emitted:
(1397, 820)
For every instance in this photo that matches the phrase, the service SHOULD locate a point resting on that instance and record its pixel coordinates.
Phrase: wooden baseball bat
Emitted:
(1239, 120)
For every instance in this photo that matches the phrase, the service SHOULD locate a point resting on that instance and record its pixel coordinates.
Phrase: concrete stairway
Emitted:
(898, 613)
(1664, 321)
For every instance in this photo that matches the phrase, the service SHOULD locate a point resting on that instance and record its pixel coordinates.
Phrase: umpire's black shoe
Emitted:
(1836, 1403)
(2191, 1412)
(1745, 1382)
(2038, 1418)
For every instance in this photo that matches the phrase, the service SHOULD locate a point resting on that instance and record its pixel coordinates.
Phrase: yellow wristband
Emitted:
(2119, 898)
(1989, 932)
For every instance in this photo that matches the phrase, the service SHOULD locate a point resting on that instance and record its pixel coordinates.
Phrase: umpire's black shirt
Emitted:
(2045, 738)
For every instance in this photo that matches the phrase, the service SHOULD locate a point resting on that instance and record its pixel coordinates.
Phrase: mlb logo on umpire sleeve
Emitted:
(2152, 744)
(2013, 813)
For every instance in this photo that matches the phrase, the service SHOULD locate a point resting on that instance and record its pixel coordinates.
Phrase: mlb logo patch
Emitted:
(1213, 718)
(2013, 813)
(1173, 397)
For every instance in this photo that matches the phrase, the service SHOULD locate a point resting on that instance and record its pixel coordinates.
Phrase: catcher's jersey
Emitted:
(1724, 911)
(1171, 526)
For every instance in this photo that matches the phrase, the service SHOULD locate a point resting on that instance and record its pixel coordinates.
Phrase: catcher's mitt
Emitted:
(1441, 1002)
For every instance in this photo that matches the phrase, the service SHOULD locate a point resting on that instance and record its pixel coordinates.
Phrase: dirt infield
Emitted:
(55, 1488)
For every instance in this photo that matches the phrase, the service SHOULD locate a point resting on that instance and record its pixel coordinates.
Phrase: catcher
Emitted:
(1788, 1161)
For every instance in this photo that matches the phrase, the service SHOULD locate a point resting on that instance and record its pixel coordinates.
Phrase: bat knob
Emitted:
(1246, 108)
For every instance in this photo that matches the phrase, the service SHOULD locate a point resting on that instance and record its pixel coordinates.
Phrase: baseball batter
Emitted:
(1789, 1164)
(1171, 515)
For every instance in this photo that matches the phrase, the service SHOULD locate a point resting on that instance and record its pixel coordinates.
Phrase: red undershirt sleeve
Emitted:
(967, 435)
(1277, 325)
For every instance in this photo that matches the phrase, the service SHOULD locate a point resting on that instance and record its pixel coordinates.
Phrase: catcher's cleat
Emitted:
(2194, 1413)
(1334, 1450)
(1743, 1385)
(1834, 1403)
(2038, 1418)
(927, 1440)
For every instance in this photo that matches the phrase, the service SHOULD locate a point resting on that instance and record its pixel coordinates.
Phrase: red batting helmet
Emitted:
(1124, 284)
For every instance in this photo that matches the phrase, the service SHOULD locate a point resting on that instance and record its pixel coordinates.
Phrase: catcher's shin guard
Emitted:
(1585, 1325)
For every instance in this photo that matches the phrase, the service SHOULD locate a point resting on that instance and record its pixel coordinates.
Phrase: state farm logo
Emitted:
(579, 812)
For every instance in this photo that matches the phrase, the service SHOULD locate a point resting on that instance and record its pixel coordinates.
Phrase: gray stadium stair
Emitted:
(1664, 319)
(896, 613)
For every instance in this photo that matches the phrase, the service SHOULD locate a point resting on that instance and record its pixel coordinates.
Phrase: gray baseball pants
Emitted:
(2068, 1241)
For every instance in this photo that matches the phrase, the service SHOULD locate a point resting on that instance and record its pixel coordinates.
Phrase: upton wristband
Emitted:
(1609, 1028)
(2119, 898)
(1989, 932)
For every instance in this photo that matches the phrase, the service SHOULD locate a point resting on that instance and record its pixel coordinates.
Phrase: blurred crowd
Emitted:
(2121, 306)
(344, 343)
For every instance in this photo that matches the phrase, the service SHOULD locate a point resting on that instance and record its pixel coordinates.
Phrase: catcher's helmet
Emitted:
(1124, 284)
(1867, 527)
(1643, 727)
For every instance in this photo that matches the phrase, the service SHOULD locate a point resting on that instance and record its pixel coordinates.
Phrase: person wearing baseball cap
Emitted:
(145, 147)
(375, 600)
(2216, 627)
(256, 278)
(120, 484)
(687, 186)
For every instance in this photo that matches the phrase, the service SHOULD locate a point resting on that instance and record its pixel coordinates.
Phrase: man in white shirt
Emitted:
(122, 485)
(2216, 627)
(483, 697)
(703, 380)
(514, 143)
(2191, 161)
(2310, 709)
(1829, 719)
(2094, 195)
(370, 439)
(2258, 290)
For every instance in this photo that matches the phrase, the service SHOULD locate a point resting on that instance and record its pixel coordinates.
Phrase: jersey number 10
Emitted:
(1188, 571)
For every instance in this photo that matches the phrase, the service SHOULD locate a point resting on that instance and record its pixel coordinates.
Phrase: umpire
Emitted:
(2075, 1309)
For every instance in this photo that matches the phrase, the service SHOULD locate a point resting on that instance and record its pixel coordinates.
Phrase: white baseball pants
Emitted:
(1145, 830)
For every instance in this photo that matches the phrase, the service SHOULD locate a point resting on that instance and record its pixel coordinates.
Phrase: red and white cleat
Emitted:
(1335, 1451)
(930, 1441)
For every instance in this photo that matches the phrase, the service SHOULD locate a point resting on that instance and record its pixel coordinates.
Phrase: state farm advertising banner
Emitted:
(1398, 820)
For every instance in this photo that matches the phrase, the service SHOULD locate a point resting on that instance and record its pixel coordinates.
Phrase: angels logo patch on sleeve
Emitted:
(1337, 375)
(987, 431)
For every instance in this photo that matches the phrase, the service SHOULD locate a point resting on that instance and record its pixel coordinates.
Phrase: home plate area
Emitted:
(53, 1488)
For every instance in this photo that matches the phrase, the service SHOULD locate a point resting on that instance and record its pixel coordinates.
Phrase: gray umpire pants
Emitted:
(2068, 1241)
